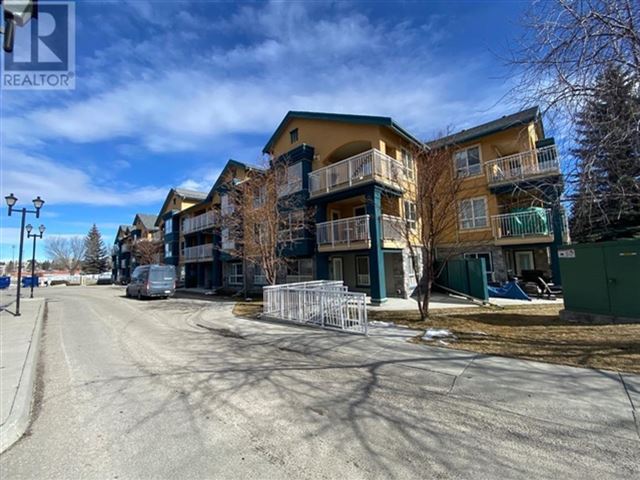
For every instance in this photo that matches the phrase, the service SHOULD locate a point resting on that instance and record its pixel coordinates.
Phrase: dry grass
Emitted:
(533, 333)
(246, 309)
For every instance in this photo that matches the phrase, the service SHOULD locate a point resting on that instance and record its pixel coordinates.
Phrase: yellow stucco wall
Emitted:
(515, 140)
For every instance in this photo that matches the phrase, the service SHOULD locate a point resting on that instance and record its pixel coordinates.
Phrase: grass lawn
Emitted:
(533, 333)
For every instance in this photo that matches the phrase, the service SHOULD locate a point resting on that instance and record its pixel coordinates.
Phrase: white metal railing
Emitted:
(343, 232)
(393, 228)
(534, 223)
(324, 303)
(523, 165)
(200, 222)
(199, 252)
(360, 168)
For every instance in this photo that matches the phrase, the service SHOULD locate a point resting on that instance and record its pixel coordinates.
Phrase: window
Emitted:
(473, 213)
(410, 214)
(235, 274)
(293, 135)
(168, 226)
(260, 232)
(407, 161)
(227, 243)
(293, 226)
(362, 272)
(290, 179)
(226, 207)
(300, 270)
(260, 196)
(359, 211)
(468, 162)
(167, 250)
(259, 278)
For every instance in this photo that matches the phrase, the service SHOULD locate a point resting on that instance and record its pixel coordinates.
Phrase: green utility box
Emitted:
(602, 278)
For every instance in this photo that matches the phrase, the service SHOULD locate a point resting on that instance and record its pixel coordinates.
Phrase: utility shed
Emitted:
(601, 281)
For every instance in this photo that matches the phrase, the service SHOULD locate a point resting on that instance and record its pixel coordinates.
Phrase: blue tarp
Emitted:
(508, 290)
(27, 281)
(5, 281)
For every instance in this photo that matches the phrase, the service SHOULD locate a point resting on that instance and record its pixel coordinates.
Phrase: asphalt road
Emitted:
(181, 389)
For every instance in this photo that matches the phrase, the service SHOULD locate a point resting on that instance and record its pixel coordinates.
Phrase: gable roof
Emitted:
(122, 228)
(147, 219)
(339, 117)
(231, 163)
(522, 117)
(186, 194)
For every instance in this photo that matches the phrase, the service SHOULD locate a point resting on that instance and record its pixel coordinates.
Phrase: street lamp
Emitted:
(11, 202)
(41, 229)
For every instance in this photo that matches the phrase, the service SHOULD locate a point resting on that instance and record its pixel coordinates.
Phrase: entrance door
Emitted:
(524, 261)
(336, 268)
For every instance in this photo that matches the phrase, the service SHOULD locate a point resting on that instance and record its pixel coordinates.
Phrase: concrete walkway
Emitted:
(19, 342)
(442, 301)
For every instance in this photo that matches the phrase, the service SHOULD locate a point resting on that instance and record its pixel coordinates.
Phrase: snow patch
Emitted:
(438, 333)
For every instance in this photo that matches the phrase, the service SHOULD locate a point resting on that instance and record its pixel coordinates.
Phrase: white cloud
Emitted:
(27, 175)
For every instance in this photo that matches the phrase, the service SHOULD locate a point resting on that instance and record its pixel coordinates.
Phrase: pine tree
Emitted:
(95, 258)
(608, 193)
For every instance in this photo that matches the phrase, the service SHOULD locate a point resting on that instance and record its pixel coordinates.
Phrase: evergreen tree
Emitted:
(95, 258)
(608, 192)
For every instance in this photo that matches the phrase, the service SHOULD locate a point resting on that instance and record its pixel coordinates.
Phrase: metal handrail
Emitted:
(522, 224)
(344, 231)
(523, 165)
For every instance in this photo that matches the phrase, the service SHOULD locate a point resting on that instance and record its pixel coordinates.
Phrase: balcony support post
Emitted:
(376, 256)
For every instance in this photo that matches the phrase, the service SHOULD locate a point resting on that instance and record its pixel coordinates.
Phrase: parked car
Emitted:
(104, 279)
(152, 281)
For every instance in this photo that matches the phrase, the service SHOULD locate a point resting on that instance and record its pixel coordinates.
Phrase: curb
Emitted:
(20, 415)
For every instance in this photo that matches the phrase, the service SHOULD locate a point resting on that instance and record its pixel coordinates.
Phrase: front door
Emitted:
(336, 268)
(524, 261)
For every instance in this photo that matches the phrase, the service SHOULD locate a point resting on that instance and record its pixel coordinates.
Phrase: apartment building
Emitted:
(509, 210)
(123, 260)
(168, 224)
(209, 255)
(358, 173)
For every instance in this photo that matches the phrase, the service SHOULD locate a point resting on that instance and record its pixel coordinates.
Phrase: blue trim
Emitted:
(354, 192)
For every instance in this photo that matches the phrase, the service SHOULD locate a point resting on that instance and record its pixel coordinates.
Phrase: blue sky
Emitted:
(166, 92)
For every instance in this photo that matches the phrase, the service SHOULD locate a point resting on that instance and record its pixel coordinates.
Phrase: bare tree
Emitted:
(438, 191)
(567, 47)
(66, 252)
(146, 252)
(268, 217)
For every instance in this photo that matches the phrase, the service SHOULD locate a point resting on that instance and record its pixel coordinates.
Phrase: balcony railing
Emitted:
(532, 223)
(393, 228)
(362, 168)
(523, 165)
(199, 252)
(199, 222)
(344, 232)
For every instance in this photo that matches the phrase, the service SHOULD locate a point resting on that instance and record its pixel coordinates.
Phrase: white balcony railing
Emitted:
(533, 223)
(343, 232)
(199, 252)
(362, 168)
(523, 165)
(393, 228)
(199, 222)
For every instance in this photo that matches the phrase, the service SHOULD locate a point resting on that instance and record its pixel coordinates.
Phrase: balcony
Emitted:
(199, 222)
(125, 248)
(156, 236)
(344, 234)
(527, 165)
(367, 167)
(526, 226)
(198, 253)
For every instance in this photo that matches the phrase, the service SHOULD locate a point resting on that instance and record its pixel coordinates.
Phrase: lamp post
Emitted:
(11, 202)
(41, 229)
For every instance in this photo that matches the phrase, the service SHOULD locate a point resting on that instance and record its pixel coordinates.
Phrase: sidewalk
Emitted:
(19, 345)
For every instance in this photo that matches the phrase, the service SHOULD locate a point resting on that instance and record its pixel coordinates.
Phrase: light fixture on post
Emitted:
(41, 229)
(11, 203)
